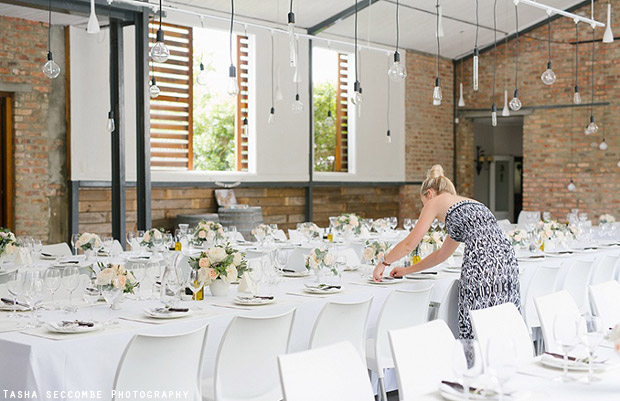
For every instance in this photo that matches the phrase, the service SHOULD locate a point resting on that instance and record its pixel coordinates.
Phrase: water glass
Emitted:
(566, 336)
(467, 362)
(74, 239)
(153, 272)
(71, 281)
(138, 270)
(111, 293)
(33, 293)
(407, 224)
(195, 281)
(501, 358)
(130, 238)
(15, 286)
(52, 278)
(591, 333)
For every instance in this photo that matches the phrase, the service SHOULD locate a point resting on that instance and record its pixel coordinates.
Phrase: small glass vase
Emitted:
(117, 304)
(219, 288)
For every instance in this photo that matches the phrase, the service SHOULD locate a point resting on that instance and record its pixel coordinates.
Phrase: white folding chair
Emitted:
(161, 363)
(246, 363)
(280, 235)
(331, 373)
(60, 249)
(342, 322)
(448, 309)
(576, 282)
(604, 269)
(294, 235)
(543, 282)
(502, 321)
(605, 299)
(550, 306)
(422, 357)
(402, 308)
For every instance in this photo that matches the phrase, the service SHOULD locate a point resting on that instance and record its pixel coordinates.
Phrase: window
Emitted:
(330, 71)
(196, 124)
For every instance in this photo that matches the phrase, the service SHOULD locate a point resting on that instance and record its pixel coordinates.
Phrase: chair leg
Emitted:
(382, 389)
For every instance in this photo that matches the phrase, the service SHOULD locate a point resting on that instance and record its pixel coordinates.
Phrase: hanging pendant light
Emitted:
(515, 103)
(397, 71)
(291, 37)
(389, 137)
(437, 95)
(160, 52)
(576, 93)
(272, 116)
(571, 186)
(603, 145)
(476, 54)
(93, 23)
(505, 110)
(203, 77)
(493, 106)
(357, 97)
(297, 107)
(461, 98)
(50, 68)
(440, 33)
(548, 76)
(608, 36)
(233, 86)
(387, 114)
(272, 111)
(592, 128)
(154, 90)
(110, 124)
(329, 120)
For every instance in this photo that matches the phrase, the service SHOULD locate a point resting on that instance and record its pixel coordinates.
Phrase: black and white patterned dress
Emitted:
(490, 273)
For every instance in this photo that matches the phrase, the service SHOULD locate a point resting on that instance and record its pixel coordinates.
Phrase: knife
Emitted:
(11, 302)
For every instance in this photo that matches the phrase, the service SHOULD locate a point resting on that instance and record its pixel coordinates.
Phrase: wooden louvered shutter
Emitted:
(171, 112)
(342, 114)
(241, 140)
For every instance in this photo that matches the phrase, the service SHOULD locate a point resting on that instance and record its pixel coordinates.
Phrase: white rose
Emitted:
(157, 234)
(211, 236)
(147, 237)
(216, 254)
(10, 249)
(354, 221)
(231, 274)
(348, 227)
(105, 276)
(202, 234)
(237, 258)
(368, 254)
(328, 260)
(518, 238)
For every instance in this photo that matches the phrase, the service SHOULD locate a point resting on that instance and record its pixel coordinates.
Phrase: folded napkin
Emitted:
(23, 257)
(247, 284)
(79, 323)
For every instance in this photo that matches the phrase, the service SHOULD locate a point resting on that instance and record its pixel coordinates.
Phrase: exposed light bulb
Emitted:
(50, 68)
(297, 107)
(494, 115)
(389, 136)
(159, 51)
(603, 146)
(93, 24)
(618, 164)
(440, 33)
(110, 124)
(296, 76)
(272, 116)
(461, 98)
(233, 87)
(592, 128)
(577, 95)
(291, 40)
(571, 186)
(475, 68)
(357, 97)
(548, 77)
(397, 71)
(154, 89)
(505, 110)
(329, 120)
(202, 77)
(515, 103)
(608, 36)
(437, 96)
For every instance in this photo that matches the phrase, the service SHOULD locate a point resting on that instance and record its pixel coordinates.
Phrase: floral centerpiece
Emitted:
(431, 241)
(574, 230)
(116, 276)
(8, 242)
(348, 223)
(320, 260)
(517, 237)
(88, 242)
(380, 225)
(152, 235)
(261, 232)
(375, 251)
(209, 232)
(550, 230)
(309, 230)
(606, 218)
(219, 266)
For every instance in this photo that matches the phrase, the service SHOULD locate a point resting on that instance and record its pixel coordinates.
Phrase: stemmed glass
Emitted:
(138, 270)
(153, 272)
(407, 224)
(15, 286)
(565, 333)
(255, 266)
(195, 281)
(232, 235)
(280, 258)
(90, 295)
(52, 283)
(71, 281)
(467, 363)
(174, 281)
(33, 294)
(501, 361)
(591, 333)
(111, 292)
(74, 239)
(130, 237)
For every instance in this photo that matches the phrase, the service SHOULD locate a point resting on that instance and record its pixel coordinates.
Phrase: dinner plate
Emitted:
(66, 327)
(386, 281)
(249, 300)
(421, 276)
(303, 273)
(559, 254)
(48, 257)
(4, 307)
(453, 394)
(164, 313)
(452, 269)
(558, 363)
(325, 290)
(531, 258)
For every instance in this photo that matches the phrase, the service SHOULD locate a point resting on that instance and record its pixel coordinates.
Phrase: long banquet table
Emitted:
(85, 364)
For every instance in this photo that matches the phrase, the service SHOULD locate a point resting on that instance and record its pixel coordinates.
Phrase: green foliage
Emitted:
(324, 136)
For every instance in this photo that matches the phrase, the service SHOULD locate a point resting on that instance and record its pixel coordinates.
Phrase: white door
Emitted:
(501, 187)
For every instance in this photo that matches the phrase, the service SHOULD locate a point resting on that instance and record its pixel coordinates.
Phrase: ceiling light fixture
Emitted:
(608, 36)
(515, 103)
(93, 24)
(50, 68)
(233, 87)
(576, 94)
(548, 76)
(592, 128)
(476, 53)
(397, 71)
(357, 97)
(437, 95)
(291, 37)
(493, 107)
(160, 51)
(272, 110)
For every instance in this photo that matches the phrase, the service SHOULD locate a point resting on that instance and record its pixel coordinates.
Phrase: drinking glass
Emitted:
(15, 286)
(74, 239)
(407, 224)
(52, 283)
(130, 237)
(255, 266)
(546, 216)
(195, 281)
(139, 238)
(90, 295)
(232, 235)
(467, 362)
(138, 269)
(33, 294)
(36, 247)
(71, 281)
(281, 257)
(565, 333)
(111, 293)
(501, 361)
(153, 272)
(591, 333)
(174, 282)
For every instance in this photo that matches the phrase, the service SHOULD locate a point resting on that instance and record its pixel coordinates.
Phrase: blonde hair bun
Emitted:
(435, 171)
(437, 181)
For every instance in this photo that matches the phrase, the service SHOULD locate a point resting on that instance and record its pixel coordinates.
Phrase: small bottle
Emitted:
(177, 244)
(330, 236)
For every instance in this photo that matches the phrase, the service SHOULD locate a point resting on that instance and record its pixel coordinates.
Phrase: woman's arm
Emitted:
(412, 240)
(435, 258)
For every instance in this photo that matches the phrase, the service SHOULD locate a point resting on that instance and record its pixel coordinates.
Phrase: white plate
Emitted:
(296, 274)
(386, 281)
(57, 327)
(559, 254)
(165, 315)
(251, 301)
(452, 269)
(558, 363)
(317, 290)
(532, 258)
(50, 257)
(452, 394)
(419, 276)
(352, 268)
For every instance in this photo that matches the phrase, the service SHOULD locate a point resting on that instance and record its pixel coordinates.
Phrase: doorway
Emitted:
(6, 160)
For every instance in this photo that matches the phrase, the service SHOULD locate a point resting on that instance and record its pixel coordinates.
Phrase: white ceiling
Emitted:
(376, 23)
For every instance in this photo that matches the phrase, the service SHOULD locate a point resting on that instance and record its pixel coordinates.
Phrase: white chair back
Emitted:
(548, 307)
(319, 374)
(116, 247)
(60, 249)
(402, 308)
(448, 310)
(576, 282)
(605, 299)
(526, 217)
(604, 269)
(543, 282)
(280, 235)
(351, 257)
(342, 322)
(502, 321)
(161, 363)
(505, 225)
(246, 363)
(296, 259)
(294, 236)
(422, 357)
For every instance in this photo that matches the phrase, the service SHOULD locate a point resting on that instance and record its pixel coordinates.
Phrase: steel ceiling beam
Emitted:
(119, 11)
(334, 19)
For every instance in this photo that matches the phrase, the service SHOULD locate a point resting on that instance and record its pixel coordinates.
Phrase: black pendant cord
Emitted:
(549, 38)
(494, 48)
(272, 50)
(232, 21)
(49, 28)
(160, 14)
(517, 49)
(592, 75)
(397, 26)
(291, 7)
(151, 59)
(577, 56)
(356, 66)
(388, 100)
(477, 26)
(437, 34)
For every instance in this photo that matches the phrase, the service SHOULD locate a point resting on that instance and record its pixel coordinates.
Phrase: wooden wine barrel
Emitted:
(244, 219)
(194, 219)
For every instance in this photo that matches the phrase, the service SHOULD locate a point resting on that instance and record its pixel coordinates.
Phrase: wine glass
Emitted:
(565, 334)
(90, 295)
(281, 257)
(15, 286)
(174, 281)
(591, 333)
(71, 281)
(52, 283)
(407, 224)
(153, 272)
(467, 362)
(195, 281)
(33, 294)
(130, 237)
(232, 235)
(546, 216)
(255, 266)
(110, 293)
(138, 270)
(501, 360)
(74, 239)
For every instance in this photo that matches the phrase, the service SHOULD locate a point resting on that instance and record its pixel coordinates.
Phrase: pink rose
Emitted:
(204, 262)
(212, 274)
(202, 234)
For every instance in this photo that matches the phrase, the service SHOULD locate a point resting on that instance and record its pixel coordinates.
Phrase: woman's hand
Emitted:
(399, 272)
(377, 274)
